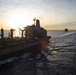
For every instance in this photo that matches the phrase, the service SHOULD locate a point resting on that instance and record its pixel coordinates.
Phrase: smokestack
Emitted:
(37, 23)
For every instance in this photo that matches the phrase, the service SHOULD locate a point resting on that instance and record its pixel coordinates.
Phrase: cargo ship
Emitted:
(33, 39)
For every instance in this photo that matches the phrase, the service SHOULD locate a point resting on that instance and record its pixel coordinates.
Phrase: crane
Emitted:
(21, 31)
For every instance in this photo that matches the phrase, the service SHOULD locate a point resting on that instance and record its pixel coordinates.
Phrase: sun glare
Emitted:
(19, 20)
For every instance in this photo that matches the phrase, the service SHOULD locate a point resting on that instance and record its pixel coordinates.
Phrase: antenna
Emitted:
(34, 20)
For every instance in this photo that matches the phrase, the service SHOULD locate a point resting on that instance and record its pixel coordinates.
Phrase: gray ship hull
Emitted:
(31, 46)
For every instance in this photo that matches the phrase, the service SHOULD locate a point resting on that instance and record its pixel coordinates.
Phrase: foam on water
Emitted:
(8, 60)
(68, 33)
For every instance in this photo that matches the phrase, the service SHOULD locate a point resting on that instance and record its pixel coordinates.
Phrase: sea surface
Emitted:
(58, 59)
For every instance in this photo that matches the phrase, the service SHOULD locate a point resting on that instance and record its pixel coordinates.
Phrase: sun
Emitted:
(19, 20)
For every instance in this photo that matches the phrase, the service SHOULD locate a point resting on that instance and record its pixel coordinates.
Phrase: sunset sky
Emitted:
(53, 14)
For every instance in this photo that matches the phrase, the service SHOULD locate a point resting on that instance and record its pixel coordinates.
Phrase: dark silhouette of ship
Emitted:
(66, 30)
(33, 39)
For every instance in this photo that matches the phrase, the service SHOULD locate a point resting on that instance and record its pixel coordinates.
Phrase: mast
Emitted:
(2, 33)
(12, 30)
(34, 20)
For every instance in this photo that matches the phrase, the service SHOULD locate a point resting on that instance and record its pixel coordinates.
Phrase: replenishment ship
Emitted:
(33, 39)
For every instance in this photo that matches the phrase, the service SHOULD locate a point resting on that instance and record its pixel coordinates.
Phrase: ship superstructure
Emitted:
(35, 31)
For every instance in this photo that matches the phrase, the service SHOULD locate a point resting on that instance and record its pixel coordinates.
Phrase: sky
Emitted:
(53, 14)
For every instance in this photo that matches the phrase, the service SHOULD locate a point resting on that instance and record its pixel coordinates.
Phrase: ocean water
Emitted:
(58, 59)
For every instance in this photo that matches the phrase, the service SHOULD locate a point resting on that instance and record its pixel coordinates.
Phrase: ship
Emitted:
(33, 39)
(66, 30)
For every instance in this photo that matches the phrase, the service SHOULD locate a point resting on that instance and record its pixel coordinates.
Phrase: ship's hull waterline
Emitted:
(34, 46)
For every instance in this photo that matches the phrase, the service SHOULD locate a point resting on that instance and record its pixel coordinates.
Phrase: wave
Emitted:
(67, 34)
(7, 60)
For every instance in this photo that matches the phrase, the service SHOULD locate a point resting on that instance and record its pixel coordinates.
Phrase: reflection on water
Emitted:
(54, 52)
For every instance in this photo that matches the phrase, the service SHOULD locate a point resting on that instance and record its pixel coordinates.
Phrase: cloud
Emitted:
(55, 11)
(61, 26)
